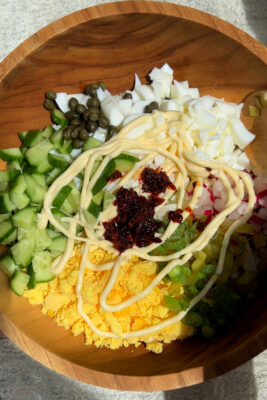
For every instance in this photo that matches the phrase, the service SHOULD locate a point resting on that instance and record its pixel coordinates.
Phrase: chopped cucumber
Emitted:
(41, 264)
(14, 165)
(18, 185)
(53, 234)
(29, 169)
(22, 136)
(61, 196)
(7, 265)
(20, 200)
(22, 252)
(4, 186)
(74, 198)
(58, 161)
(102, 180)
(108, 199)
(47, 132)
(42, 239)
(6, 229)
(38, 153)
(7, 176)
(127, 157)
(53, 175)
(90, 143)
(11, 154)
(66, 147)
(58, 215)
(35, 191)
(11, 238)
(19, 282)
(25, 218)
(40, 179)
(89, 218)
(32, 138)
(95, 205)
(56, 139)
(58, 117)
(58, 244)
(4, 217)
(124, 165)
(32, 280)
(6, 205)
(44, 167)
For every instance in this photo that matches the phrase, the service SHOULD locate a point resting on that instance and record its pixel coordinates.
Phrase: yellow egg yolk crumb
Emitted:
(58, 299)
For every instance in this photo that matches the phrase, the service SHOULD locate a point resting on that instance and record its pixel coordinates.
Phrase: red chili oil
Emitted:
(176, 216)
(189, 210)
(134, 223)
(155, 181)
(113, 177)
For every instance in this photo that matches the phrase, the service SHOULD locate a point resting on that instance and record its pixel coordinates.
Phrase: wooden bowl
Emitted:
(111, 42)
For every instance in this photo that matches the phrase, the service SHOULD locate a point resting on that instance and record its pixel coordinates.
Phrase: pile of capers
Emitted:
(83, 120)
(153, 106)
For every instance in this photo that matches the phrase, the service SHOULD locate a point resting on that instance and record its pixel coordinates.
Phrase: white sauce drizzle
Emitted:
(178, 149)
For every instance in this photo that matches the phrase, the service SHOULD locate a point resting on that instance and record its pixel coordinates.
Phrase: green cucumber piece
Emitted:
(95, 166)
(58, 244)
(42, 240)
(48, 131)
(7, 265)
(6, 228)
(32, 280)
(124, 165)
(11, 154)
(39, 179)
(11, 238)
(4, 217)
(32, 138)
(38, 153)
(35, 191)
(127, 157)
(41, 264)
(97, 199)
(4, 186)
(90, 143)
(19, 282)
(6, 205)
(22, 252)
(22, 136)
(61, 196)
(58, 161)
(29, 169)
(58, 117)
(89, 218)
(53, 234)
(58, 215)
(102, 180)
(19, 185)
(94, 209)
(7, 176)
(52, 175)
(20, 200)
(44, 167)
(108, 199)
(56, 139)
(14, 165)
(66, 147)
(25, 218)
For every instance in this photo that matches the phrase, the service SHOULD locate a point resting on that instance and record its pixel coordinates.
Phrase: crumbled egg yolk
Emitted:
(58, 300)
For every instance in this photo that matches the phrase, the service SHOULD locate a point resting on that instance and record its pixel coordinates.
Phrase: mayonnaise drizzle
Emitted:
(177, 148)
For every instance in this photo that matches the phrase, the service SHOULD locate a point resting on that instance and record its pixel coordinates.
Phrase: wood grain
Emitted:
(110, 43)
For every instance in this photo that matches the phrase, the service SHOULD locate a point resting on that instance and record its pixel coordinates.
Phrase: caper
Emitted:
(86, 115)
(112, 130)
(127, 95)
(93, 116)
(75, 122)
(77, 143)
(151, 107)
(102, 85)
(71, 115)
(50, 94)
(91, 89)
(91, 126)
(93, 102)
(80, 108)
(73, 103)
(83, 134)
(92, 110)
(49, 104)
(103, 122)
(66, 134)
(75, 132)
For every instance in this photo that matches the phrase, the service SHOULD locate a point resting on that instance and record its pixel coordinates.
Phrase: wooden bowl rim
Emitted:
(119, 382)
